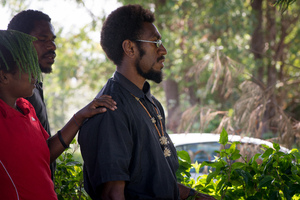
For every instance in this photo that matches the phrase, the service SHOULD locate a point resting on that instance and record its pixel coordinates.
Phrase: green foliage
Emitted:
(270, 175)
(284, 4)
(276, 177)
(69, 177)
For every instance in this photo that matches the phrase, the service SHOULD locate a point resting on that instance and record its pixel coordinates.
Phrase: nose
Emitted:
(163, 49)
(51, 45)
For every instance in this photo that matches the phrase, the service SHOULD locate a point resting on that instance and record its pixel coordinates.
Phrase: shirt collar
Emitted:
(8, 111)
(132, 88)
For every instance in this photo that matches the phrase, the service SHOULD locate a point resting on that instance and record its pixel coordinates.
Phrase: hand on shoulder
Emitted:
(98, 105)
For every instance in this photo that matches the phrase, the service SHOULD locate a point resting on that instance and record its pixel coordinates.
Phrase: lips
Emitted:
(50, 57)
(161, 60)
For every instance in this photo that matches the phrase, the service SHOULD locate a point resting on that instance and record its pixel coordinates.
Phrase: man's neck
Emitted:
(132, 76)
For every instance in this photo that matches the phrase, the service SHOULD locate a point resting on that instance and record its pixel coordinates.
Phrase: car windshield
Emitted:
(200, 151)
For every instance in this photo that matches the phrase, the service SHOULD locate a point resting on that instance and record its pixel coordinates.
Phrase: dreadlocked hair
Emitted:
(17, 52)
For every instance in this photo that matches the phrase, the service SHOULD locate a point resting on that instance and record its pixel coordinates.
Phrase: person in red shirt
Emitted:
(22, 137)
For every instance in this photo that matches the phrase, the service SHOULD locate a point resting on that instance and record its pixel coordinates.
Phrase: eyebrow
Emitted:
(157, 35)
(44, 35)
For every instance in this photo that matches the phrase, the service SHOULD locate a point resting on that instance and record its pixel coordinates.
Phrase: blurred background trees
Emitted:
(232, 64)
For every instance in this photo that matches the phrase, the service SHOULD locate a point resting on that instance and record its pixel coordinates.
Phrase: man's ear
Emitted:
(129, 48)
(3, 77)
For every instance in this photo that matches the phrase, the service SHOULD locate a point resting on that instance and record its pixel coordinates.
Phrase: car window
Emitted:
(200, 151)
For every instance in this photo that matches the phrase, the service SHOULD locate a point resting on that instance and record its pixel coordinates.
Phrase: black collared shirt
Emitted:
(37, 100)
(124, 145)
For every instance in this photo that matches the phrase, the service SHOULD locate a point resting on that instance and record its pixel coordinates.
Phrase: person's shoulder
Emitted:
(115, 90)
(156, 101)
(111, 87)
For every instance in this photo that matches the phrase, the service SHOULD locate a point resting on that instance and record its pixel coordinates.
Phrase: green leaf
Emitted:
(211, 176)
(252, 198)
(266, 181)
(237, 165)
(254, 158)
(246, 175)
(276, 146)
(267, 153)
(211, 164)
(296, 153)
(274, 195)
(197, 166)
(220, 184)
(294, 189)
(232, 147)
(236, 155)
(184, 156)
(265, 146)
(230, 112)
(286, 193)
(223, 137)
(294, 170)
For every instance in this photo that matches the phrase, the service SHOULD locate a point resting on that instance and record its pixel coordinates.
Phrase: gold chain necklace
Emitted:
(162, 138)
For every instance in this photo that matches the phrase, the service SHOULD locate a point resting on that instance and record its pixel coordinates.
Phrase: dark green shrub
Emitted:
(69, 177)
(276, 177)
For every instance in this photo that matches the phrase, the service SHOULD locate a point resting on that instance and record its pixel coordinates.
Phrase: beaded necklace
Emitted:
(162, 138)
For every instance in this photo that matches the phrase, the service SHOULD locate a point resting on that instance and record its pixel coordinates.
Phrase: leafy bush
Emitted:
(69, 177)
(276, 177)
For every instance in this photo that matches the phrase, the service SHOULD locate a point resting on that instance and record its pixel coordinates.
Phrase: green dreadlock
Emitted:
(20, 46)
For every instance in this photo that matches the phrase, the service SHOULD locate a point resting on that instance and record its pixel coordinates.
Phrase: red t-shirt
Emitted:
(24, 155)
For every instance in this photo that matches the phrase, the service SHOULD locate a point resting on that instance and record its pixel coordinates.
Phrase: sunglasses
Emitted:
(157, 42)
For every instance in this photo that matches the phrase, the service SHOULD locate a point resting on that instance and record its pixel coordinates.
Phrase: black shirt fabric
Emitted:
(124, 145)
(37, 100)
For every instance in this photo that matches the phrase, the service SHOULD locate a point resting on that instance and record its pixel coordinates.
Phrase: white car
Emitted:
(202, 146)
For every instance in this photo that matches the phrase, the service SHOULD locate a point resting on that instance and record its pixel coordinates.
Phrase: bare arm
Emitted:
(69, 131)
(113, 190)
(184, 193)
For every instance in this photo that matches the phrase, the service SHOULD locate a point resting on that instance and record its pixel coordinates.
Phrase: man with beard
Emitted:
(137, 159)
(38, 24)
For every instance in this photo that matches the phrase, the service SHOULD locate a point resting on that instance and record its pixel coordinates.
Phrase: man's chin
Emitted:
(157, 78)
(46, 70)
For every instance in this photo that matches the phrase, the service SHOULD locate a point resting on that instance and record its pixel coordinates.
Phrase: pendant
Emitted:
(163, 140)
(153, 120)
(167, 152)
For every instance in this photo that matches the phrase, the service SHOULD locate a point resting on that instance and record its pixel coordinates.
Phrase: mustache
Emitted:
(50, 53)
(161, 58)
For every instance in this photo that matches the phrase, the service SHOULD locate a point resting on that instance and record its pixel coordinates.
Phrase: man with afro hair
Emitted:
(137, 159)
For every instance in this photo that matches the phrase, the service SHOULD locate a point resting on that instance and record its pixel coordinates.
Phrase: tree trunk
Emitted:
(257, 40)
(258, 46)
(173, 104)
(271, 68)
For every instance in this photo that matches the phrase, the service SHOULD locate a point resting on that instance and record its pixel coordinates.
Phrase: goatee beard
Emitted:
(46, 70)
(155, 76)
